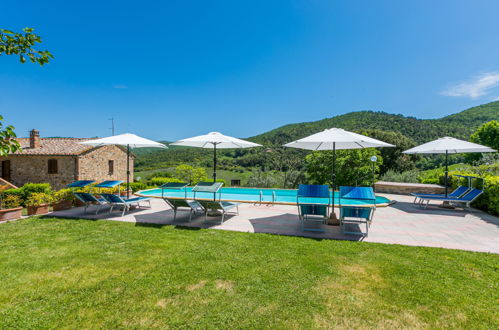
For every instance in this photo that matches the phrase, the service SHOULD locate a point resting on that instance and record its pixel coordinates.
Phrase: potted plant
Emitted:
(11, 208)
(62, 200)
(38, 203)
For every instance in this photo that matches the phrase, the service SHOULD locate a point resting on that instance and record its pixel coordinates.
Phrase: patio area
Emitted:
(401, 223)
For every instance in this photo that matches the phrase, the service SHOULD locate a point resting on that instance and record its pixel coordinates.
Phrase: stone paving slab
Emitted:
(401, 223)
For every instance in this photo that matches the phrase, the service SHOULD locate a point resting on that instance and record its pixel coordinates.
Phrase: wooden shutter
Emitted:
(6, 170)
(52, 166)
(111, 167)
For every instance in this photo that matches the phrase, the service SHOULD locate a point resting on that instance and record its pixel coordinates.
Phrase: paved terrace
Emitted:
(402, 223)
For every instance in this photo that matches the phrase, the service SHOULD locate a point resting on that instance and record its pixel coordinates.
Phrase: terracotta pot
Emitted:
(63, 205)
(11, 214)
(39, 209)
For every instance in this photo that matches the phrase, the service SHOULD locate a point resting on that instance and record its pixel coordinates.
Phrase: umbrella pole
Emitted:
(333, 215)
(214, 162)
(446, 171)
(127, 171)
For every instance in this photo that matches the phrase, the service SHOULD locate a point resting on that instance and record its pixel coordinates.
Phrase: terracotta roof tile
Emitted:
(54, 146)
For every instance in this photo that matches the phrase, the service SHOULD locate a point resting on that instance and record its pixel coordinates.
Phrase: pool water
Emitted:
(255, 195)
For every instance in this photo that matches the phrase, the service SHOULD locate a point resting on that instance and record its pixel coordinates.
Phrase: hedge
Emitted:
(489, 200)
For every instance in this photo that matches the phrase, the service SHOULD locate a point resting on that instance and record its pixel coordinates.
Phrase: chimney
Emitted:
(34, 139)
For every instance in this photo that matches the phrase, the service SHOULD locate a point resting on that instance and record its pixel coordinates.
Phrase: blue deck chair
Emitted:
(215, 205)
(460, 191)
(313, 205)
(80, 184)
(89, 199)
(177, 203)
(465, 200)
(357, 215)
(125, 204)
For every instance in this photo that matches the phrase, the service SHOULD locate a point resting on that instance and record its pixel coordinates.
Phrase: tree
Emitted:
(487, 134)
(189, 174)
(393, 158)
(353, 167)
(22, 44)
(7, 143)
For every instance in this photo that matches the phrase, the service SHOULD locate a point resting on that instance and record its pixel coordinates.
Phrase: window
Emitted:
(52, 169)
(111, 167)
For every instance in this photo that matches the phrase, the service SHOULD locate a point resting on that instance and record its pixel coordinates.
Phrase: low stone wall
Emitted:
(407, 188)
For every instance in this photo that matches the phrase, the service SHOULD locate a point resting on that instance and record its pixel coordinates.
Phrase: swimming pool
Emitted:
(255, 195)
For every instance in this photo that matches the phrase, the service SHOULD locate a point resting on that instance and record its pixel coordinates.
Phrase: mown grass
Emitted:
(103, 274)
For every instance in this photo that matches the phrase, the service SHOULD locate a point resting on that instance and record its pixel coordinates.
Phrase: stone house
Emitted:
(60, 161)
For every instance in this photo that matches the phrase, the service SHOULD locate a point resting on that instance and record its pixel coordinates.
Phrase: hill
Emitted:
(459, 125)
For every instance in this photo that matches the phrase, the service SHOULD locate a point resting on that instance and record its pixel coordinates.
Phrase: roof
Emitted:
(54, 146)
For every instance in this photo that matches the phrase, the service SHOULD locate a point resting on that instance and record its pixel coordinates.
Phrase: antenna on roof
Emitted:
(112, 125)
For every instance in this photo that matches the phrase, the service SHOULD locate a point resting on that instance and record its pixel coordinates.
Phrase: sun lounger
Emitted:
(465, 200)
(357, 215)
(125, 204)
(313, 205)
(460, 191)
(213, 205)
(180, 203)
(80, 184)
(88, 199)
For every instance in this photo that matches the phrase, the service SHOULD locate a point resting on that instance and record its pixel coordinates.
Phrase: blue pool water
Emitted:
(254, 195)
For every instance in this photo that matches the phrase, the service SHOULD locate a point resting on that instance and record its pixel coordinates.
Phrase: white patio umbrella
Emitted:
(216, 141)
(129, 141)
(448, 145)
(336, 139)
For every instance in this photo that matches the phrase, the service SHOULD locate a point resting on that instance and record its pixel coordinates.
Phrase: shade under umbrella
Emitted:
(216, 141)
(336, 139)
(129, 141)
(448, 145)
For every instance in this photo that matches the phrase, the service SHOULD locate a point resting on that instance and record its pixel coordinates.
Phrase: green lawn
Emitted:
(103, 274)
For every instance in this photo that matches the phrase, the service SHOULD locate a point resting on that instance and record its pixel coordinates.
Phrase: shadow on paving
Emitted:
(432, 209)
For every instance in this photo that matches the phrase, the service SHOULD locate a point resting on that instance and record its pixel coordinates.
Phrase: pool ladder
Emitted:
(260, 202)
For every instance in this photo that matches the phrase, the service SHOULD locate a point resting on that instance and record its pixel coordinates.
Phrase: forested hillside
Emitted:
(459, 125)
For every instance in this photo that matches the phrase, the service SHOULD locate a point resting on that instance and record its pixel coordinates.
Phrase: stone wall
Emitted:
(94, 164)
(407, 188)
(34, 168)
(91, 165)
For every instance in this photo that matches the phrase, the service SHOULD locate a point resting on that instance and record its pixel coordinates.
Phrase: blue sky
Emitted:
(172, 69)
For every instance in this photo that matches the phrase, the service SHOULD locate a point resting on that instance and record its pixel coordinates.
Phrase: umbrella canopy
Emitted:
(130, 141)
(216, 141)
(448, 145)
(336, 139)
(127, 139)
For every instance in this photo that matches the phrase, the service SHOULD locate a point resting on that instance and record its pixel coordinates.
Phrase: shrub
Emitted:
(136, 186)
(407, 176)
(489, 200)
(223, 181)
(30, 188)
(11, 201)
(38, 198)
(63, 195)
(15, 192)
(158, 181)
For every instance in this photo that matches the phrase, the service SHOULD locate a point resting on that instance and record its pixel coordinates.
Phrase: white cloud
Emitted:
(120, 86)
(478, 86)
